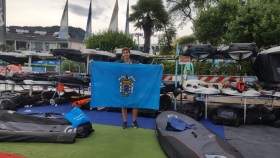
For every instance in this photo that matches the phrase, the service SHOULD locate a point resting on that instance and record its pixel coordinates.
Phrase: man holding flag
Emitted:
(125, 84)
(126, 59)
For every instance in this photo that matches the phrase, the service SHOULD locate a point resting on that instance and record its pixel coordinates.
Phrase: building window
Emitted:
(63, 45)
(52, 46)
(21, 45)
(38, 46)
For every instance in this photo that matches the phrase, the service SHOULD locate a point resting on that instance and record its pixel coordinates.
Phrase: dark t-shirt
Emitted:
(132, 61)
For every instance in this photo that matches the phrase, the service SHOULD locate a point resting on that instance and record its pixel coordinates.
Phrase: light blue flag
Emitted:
(125, 85)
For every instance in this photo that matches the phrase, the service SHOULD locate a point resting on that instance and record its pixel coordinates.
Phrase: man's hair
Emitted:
(125, 48)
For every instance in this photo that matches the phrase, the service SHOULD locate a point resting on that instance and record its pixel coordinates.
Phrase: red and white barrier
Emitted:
(167, 78)
(207, 78)
(170, 77)
(217, 79)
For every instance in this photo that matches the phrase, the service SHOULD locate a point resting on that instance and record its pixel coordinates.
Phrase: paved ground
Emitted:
(252, 141)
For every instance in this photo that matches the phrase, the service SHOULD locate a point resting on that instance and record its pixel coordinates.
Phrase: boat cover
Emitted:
(239, 51)
(191, 143)
(17, 127)
(69, 80)
(267, 65)
(199, 51)
(70, 54)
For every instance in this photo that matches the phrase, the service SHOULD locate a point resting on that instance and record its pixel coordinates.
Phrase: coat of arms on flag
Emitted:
(126, 85)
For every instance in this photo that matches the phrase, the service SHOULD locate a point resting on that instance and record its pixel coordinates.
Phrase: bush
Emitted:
(6, 47)
(165, 50)
(207, 68)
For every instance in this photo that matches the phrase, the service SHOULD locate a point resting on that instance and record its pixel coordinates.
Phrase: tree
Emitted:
(186, 40)
(211, 26)
(185, 10)
(72, 66)
(149, 15)
(170, 33)
(257, 22)
(109, 40)
(239, 22)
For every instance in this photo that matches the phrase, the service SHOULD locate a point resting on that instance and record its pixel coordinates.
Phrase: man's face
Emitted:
(126, 54)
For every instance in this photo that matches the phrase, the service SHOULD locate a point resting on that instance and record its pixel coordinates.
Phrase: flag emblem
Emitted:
(126, 85)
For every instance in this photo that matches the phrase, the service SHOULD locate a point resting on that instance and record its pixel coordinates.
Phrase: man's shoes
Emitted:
(135, 124)
(124, 125)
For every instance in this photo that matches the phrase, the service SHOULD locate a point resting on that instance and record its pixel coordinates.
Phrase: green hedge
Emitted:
(207, 68)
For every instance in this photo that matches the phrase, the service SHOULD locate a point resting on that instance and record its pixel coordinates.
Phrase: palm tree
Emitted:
(149, 15)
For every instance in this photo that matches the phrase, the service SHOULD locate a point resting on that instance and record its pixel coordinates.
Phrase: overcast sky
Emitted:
(49, 13)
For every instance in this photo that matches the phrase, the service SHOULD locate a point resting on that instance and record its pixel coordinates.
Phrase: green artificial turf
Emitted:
(105, 142)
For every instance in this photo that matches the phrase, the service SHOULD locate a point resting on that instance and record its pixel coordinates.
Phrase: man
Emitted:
(188, 70)
(126, 60)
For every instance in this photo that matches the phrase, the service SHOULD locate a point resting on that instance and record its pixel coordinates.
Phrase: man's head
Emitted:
(126, 53)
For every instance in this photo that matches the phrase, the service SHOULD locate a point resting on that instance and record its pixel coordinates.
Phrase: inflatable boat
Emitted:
(247, 93)
(240, 88)
(270, 93)
(197, 86)
(191, 143)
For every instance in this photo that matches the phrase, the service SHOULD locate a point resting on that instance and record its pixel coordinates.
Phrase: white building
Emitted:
(40, 41)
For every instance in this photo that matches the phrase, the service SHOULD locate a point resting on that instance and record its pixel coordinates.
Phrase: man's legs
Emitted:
(134, 115)
(124, 114)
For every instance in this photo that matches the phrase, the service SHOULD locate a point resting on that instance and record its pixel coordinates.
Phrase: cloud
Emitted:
(77, 9)
(97, 10)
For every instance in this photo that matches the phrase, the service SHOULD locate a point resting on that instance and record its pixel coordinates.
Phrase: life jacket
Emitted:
(240, 86)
